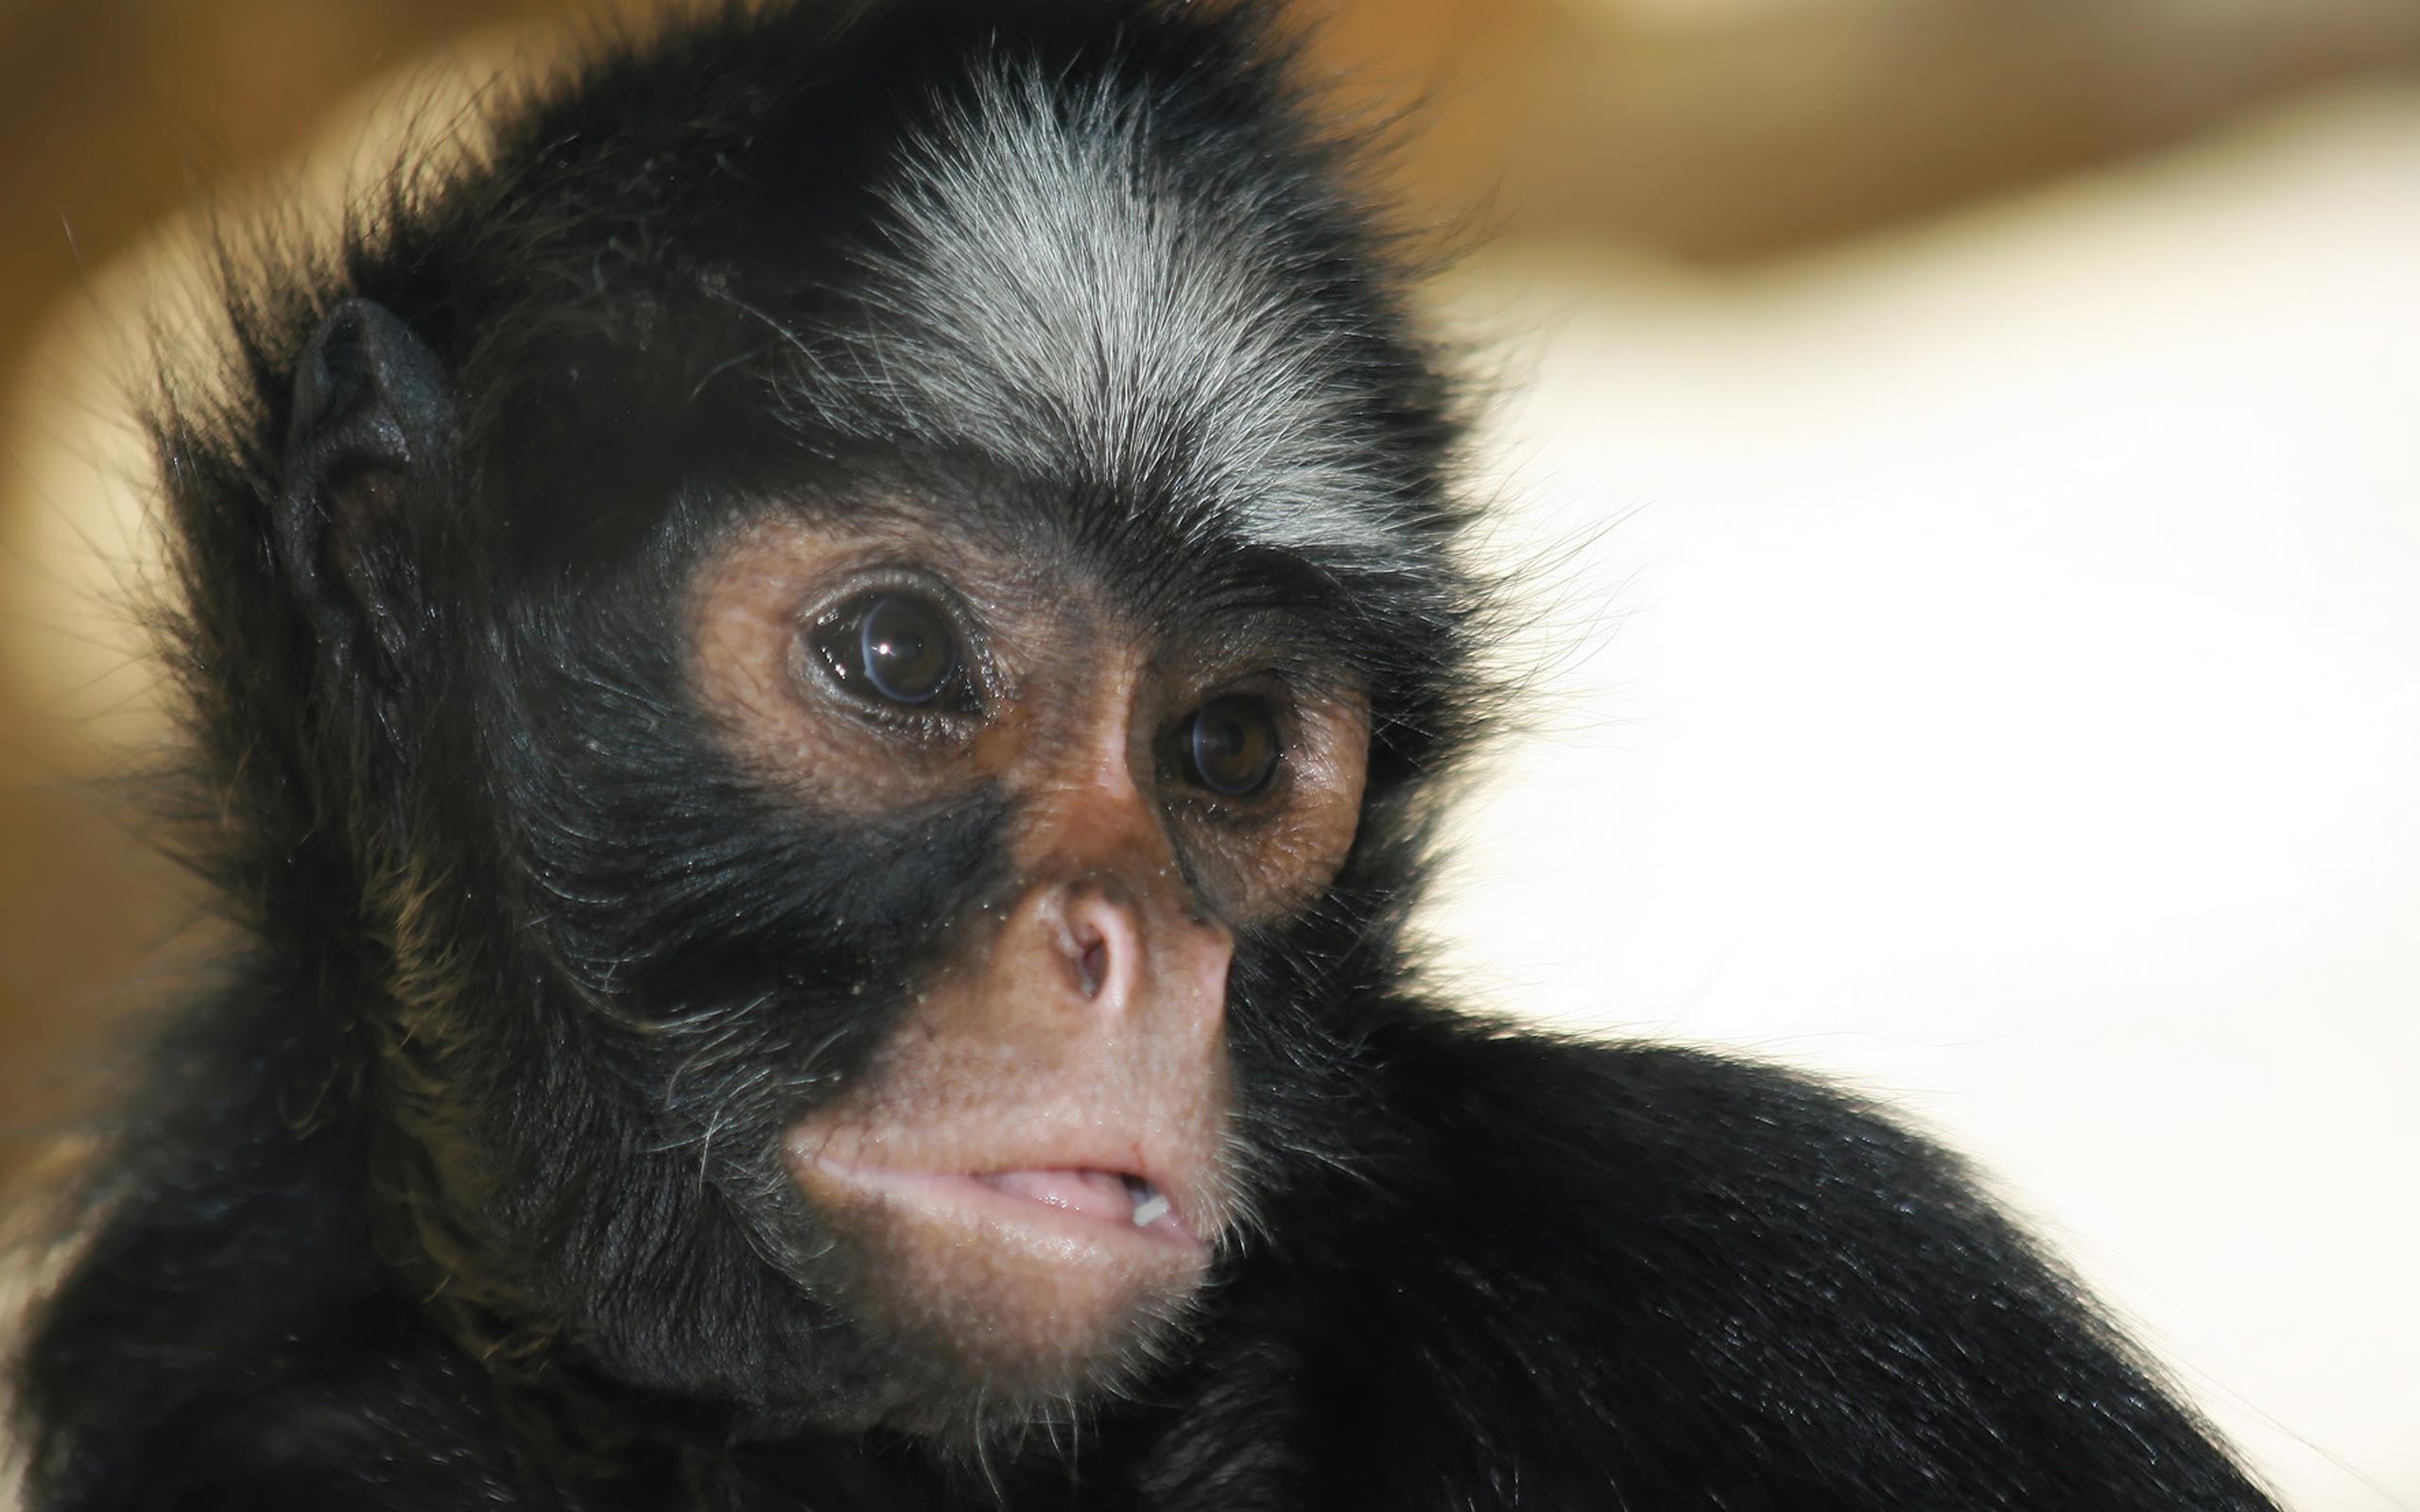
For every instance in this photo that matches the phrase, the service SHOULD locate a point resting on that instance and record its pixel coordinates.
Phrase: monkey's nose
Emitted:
(1112, 959)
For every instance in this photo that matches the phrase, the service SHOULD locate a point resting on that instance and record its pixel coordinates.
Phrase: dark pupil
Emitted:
(906, 649)
(1234, 745)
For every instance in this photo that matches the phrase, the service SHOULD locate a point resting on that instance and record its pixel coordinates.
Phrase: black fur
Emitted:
(454, 1192)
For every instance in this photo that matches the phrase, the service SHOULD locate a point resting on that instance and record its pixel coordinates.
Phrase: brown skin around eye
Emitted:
(1058, 668)
(754, 609)
(1027, 1189)
(1263, 856)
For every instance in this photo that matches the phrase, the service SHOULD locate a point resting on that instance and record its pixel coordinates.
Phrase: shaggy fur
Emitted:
(459, 1189)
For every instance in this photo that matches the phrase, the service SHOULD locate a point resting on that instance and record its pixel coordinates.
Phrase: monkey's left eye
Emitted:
(898, 647)
(1230, 745)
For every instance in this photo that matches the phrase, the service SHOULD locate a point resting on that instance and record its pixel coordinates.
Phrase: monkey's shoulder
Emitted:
(1653, 1132)
(1697, 1278)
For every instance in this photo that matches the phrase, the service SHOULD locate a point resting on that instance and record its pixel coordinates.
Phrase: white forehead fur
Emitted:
(1075, 303)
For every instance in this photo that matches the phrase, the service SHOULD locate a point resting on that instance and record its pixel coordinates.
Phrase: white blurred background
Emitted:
(1964, 460)
(1994, 679)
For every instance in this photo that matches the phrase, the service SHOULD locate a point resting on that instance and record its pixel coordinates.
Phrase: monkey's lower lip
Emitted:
(1096, 1203)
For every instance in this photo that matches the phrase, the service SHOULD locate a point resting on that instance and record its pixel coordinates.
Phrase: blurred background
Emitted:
(1964, 460)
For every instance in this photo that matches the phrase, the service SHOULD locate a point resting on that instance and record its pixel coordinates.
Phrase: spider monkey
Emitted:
(817, 675)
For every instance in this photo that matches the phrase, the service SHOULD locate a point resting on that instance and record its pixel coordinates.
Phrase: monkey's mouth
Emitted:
(1103, 1197)
(1085, 1202)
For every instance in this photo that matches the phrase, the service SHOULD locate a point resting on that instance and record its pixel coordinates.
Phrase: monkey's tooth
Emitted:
(1148, 1210)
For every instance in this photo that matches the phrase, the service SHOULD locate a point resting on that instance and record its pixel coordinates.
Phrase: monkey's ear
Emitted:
(370, 452)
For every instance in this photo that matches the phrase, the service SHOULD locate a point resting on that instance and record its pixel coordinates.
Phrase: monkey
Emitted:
(819, 675)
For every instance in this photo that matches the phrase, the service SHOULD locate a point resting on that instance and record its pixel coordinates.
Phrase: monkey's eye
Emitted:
(1230, 745)
(895, 647)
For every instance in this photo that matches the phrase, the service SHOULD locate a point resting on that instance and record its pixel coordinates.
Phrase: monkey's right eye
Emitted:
(897, 647)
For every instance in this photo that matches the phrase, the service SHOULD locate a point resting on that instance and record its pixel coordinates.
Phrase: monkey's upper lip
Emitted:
(1097, 1200)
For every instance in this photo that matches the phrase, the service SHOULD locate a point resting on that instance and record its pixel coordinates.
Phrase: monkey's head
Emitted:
(830, 648)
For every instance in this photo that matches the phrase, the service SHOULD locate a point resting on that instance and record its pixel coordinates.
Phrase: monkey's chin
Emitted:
(1034, 1287)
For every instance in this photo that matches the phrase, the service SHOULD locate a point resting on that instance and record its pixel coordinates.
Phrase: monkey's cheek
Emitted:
(1022, 1295)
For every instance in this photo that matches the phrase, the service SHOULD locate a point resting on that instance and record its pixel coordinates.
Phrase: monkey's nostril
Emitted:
(1100, 944)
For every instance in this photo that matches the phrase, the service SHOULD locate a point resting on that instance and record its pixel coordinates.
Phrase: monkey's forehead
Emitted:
(1071, 307)
(1065, 253)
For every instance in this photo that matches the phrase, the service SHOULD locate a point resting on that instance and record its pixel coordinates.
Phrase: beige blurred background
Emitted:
(1965, 455)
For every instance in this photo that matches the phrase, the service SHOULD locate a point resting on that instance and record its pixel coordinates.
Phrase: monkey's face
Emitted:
(883, 706)
(1026, 1181)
